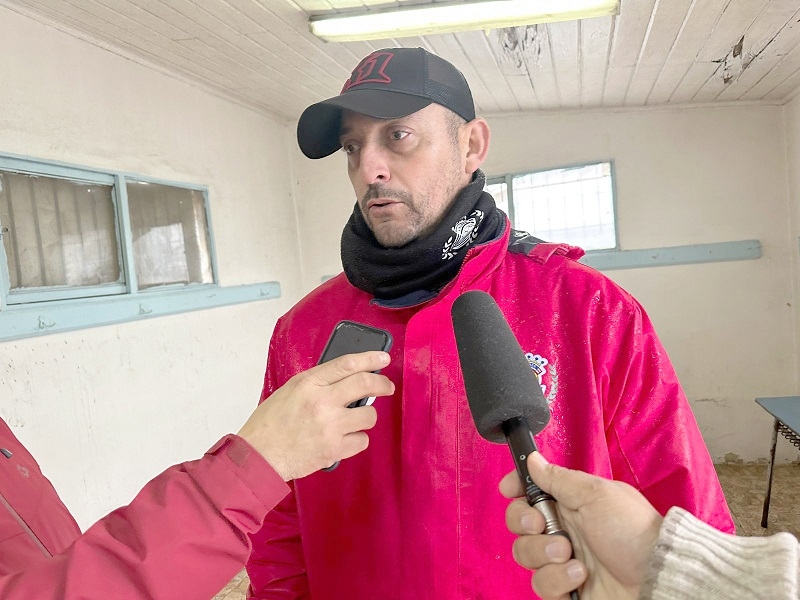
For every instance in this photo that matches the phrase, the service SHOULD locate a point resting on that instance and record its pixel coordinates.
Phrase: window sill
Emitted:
(32, 320)
(609, 260)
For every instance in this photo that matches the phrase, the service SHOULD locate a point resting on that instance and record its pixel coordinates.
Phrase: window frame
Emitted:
(35, 319)
(613, 259)
(119, 194)
(508, 179)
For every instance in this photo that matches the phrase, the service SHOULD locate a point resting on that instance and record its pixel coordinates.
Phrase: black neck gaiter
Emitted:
(424, 264)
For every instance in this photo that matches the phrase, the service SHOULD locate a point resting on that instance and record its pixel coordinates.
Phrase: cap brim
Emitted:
(318, 127)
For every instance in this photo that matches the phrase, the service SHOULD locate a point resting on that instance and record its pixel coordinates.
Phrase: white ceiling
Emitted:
(260, 53)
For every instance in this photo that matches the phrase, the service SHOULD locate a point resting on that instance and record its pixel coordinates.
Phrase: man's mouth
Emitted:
(380, 203)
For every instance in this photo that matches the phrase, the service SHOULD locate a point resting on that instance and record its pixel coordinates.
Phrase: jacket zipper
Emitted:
(15, 515)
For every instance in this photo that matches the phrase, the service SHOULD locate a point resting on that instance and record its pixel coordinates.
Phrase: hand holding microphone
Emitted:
(504, 396)
(613, 528)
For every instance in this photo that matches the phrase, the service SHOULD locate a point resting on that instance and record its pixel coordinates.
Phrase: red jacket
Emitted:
(418, 515)
(184, 536)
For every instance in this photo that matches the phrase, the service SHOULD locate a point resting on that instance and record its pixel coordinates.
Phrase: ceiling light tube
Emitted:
(454, 16)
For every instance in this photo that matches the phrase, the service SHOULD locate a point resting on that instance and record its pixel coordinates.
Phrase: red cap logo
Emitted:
(370, 70)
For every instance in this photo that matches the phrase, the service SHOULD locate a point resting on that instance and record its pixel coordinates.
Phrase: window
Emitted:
(573, 205)
(72, 233)
(170, 235)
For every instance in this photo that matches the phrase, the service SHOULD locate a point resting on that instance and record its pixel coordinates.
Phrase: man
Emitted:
(630, 551)
(416, 515)
(185, 534)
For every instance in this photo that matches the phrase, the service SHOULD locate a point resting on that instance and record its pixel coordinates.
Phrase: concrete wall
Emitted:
(792, 120)
(105, 409)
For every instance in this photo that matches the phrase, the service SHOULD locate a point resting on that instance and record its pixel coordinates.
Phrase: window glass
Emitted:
(500, 193)
(573, 205)
(170, 235)
(60, 232)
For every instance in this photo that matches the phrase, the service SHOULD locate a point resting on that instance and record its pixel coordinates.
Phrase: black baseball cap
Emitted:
(388, 84)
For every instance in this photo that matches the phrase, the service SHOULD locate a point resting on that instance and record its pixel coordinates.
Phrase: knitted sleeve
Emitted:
(694, 560)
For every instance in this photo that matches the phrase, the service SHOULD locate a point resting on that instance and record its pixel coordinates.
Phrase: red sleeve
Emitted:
(276, 567)
(660, 449)
(183, 536)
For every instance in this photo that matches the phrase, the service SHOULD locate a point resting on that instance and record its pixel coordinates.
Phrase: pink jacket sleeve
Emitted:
(653, 437)
(183, 536)
(276, 567)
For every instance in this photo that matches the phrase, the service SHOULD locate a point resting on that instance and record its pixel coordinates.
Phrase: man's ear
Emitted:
(477, 137)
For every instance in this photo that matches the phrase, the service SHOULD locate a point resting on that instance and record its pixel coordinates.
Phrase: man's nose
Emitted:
(373, 166)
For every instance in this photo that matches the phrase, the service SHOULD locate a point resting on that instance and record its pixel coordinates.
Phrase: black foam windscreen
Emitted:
(499, 381)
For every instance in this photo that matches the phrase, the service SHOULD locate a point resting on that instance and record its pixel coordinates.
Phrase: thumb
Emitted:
(572, 489)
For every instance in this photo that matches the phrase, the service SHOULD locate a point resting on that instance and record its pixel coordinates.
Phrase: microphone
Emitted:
(503, 392)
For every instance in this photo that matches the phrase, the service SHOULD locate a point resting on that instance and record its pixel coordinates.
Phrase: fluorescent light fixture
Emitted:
(450, 17)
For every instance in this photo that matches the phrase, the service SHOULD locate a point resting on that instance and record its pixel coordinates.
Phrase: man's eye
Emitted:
(349, 148)
(399, 135)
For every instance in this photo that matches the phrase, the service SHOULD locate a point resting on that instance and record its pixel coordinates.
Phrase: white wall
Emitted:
(683, 176)
(325, 200)
(792, 114)
(105, 409)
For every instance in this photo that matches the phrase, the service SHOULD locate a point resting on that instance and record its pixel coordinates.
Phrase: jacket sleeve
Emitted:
(276, 567)
(692, 560)
(648, 420)
(183, 536)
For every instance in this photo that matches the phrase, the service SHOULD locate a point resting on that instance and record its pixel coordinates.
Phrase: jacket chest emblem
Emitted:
(546, 374)
(464, 232)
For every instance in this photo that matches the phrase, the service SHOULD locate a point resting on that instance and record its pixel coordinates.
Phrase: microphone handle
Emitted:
(520, 441)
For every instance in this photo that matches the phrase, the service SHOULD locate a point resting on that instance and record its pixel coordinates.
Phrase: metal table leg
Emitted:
(765, 513)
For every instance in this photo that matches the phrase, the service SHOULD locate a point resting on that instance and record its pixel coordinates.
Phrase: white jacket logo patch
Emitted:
(466, 230)
(541, 366)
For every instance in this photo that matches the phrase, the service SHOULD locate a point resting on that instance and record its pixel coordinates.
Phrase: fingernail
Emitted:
(384, 357)
(556, 551)
(527, 523)
(539, 459)
(575, 571)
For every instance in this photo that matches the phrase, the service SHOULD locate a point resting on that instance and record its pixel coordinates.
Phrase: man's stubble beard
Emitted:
(413, 227)
(399, 233)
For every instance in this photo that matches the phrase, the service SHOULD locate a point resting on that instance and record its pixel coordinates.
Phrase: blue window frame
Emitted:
(81, 247)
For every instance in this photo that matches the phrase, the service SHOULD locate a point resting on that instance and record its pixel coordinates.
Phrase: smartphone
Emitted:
(349, 337)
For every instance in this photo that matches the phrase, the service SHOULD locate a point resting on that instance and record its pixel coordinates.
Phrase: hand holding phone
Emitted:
(349, 337)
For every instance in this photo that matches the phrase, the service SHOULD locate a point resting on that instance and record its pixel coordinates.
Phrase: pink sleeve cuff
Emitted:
(251, 468)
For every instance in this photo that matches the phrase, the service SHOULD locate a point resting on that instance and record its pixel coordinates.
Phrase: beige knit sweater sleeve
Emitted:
(694, 560)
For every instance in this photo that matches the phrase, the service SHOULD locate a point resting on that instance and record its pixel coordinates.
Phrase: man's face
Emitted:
(405, 172)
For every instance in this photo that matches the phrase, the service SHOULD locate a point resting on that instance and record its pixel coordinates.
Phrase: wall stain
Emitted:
(711, 400)
(731, 458)
(737, 60)
(518, 45)
(733, 63)
(737, 49)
